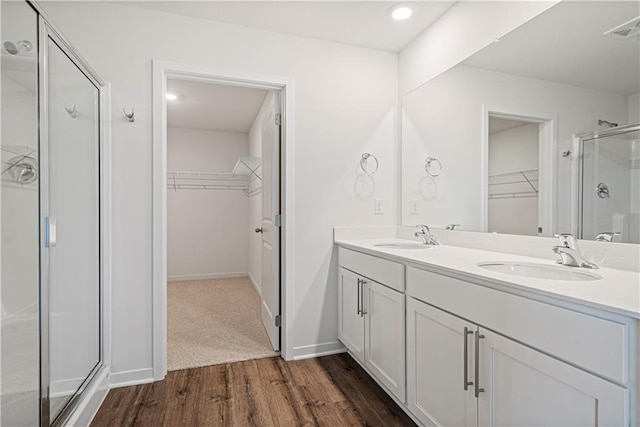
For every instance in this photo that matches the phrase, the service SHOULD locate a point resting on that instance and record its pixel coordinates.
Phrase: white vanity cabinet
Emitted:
(523, 386)
(372, 315)
(509, 383)
(438, 350)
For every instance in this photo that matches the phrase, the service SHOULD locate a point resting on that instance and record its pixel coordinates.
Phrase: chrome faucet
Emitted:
(425, 234)
(607, 236)
(569, 253)
(452, 226)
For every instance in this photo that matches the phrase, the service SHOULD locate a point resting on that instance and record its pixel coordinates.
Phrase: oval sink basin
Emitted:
(407, 245)
(539, 271)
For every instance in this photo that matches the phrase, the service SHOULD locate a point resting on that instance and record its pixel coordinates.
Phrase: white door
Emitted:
(439, 354)
(270, 307)
(384, 335)
(350, 318)
(523, 387)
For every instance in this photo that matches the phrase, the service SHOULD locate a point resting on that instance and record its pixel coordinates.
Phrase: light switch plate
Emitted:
(415, 206)
(378, 208)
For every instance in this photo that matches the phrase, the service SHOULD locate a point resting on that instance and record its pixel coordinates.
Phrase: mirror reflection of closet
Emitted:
(513, 176)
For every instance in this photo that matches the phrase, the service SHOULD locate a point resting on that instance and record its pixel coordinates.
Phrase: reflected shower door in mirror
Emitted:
(19, 175)
(74, 239)
(609, 186)
(562, 76)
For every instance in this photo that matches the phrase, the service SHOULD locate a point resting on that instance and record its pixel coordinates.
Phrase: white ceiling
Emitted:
(358, 23)
(497, 124)
(565, 44)
(212, 106)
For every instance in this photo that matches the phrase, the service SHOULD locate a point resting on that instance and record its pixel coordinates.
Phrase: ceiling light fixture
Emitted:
(171, 97)
(402, 11)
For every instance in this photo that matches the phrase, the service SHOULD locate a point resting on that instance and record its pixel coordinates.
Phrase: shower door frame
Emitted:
(95, 386)
(577, 170)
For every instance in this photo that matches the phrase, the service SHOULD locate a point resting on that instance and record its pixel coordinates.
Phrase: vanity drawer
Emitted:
(389, 273)
(590, 342)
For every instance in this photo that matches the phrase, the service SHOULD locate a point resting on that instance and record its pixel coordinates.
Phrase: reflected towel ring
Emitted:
(365, 160)
(71, 111)
(433, 166)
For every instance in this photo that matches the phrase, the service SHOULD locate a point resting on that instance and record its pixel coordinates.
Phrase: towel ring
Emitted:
(365, 160)
(433, 166)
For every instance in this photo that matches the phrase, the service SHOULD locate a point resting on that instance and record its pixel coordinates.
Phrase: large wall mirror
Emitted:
(534, 135)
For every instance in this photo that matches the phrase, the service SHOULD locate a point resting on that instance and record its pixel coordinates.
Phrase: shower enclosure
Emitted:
(608, 191)
(51, 256)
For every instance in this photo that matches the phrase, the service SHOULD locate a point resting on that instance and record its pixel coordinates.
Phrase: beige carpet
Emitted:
(214, 321)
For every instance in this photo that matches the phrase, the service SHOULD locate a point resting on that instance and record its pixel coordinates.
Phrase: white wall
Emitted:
(513, 150)
(634, 108)
(463, 30)
(345, 103)
(207, 229)
(443, 119)
(255, 201)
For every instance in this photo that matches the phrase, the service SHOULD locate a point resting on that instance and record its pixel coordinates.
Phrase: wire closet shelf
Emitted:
(516, 184)
(246, 176)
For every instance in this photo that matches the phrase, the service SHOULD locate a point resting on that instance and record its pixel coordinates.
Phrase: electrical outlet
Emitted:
(378, 206)
(415, 206)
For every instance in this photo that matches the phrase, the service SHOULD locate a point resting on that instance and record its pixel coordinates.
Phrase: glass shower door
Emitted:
(73, 224)
(611, 186)
(19, 195)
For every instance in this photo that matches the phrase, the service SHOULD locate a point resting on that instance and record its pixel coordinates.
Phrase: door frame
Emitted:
(162, 70)
(547, 148)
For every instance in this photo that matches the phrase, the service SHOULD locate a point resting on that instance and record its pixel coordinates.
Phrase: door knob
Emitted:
(259, 230)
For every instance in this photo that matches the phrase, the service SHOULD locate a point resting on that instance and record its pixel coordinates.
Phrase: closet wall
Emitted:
(207, 229)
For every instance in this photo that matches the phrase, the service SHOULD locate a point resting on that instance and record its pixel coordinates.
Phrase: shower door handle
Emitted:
(50, 232)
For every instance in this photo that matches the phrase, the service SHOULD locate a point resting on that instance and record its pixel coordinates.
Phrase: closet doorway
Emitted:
(223, 213)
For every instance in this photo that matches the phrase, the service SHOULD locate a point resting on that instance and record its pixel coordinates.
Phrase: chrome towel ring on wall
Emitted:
(369, 163)
(433, 166)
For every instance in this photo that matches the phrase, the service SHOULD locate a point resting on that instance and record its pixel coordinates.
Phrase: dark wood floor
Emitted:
(327, 391)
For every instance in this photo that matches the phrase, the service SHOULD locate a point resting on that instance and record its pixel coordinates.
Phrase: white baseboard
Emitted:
(317, 350)
(65, 387)
(254, 283)
(206, 276)
(92, 398)
(127, 378)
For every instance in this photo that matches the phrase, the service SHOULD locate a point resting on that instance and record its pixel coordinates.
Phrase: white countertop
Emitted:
(617, 292)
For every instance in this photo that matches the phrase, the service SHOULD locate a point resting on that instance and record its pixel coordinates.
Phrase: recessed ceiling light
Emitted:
(402, 11)
(171, 97)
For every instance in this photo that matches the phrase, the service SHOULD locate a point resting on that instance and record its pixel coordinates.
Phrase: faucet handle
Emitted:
(607, 236)
(452, 226)
(567, 240)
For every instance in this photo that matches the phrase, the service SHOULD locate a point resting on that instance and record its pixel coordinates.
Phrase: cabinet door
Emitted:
(350, 322)
(384, 328)
(524, 387)
(436, 344)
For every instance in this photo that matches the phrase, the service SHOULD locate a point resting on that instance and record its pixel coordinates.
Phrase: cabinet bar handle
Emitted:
(478, 390)
(362, 295)
(467, 383)
(359, 282)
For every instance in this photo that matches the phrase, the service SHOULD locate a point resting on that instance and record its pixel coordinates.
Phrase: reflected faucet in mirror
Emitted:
(607, 236)
(569, 253)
